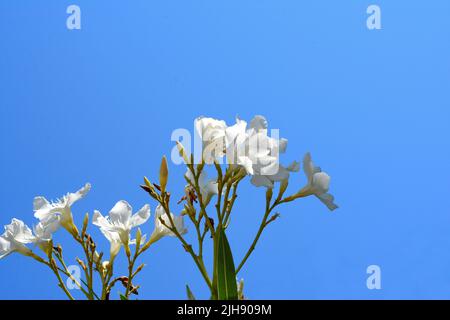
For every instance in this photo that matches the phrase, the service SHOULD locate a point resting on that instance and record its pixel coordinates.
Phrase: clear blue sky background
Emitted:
(100, 104)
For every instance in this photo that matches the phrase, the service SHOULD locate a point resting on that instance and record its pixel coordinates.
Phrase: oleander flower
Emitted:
(161, 230)
(258, 153)
(46, 211)
(117, 226)
(15, 238)
(208, 188)
(318, 183)
(212, 133)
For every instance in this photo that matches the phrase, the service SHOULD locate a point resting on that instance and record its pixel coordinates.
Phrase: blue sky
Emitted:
(99, 104)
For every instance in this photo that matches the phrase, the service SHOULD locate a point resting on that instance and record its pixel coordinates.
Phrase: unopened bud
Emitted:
(105, 265)
(81, 263)
(85, 224)
(163, 174)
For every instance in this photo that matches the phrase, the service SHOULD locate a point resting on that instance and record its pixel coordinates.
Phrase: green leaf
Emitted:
(225, 270)
(190, 295)
(122, 297)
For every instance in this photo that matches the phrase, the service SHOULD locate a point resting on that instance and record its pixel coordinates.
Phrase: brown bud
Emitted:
(81, 263)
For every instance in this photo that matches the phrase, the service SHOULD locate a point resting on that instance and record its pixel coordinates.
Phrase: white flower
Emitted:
(48, 213)
(318, 183)
(212, 133)
(258, 153)
(161, 230)
(208, 188)
(117, 226)
(44, 231)
(17, 235)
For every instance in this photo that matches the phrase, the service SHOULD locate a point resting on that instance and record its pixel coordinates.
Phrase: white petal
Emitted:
(328, 200)
(120, 214)
(268, 165)
(210, 129)
(45, 230)
(190, 176)
(321, 182)
(282, 174)
(20, 232)
(141, 216)
(40, 203)
(259, 145)
(236, 133)
(211, 187)
(143, 239)
(179, 224)
(247, 164)
(99, 220)
(73, 197)
(261, 181)
(115, 248)
(42, 210)
(308, 167)
(161, 230)
(6, 247)
(258, 123)
(282, 145)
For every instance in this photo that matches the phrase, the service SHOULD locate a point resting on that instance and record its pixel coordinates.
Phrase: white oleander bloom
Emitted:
(258, 153)
(161, 230)
(118, 225)
(212, 133)
(48, 212)
(15, 238)
(318, 183)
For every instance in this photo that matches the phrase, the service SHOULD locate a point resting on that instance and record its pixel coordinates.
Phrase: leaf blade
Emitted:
(189, 293)
(226, 272)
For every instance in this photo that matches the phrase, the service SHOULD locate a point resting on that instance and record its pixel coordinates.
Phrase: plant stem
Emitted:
(61, 282)
(187, 247)
(258, 235)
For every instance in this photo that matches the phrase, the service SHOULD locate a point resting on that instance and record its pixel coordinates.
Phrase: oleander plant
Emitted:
(233, 153)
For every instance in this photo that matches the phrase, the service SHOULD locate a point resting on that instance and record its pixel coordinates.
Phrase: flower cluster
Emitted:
(235, 152)
(116, 228)
(51, 217)
(250, 146)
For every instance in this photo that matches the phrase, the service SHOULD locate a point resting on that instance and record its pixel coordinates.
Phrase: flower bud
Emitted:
(138, 237)
(163, 174)
(81, 263)
(105, 265)
(182, 152)
(85, 224)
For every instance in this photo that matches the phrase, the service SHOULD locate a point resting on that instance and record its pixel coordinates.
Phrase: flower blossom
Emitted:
(51, 215)
(212, 134)
(15, 238)
(258, 153)
(161, 230)
(117, 226)
(318, 183)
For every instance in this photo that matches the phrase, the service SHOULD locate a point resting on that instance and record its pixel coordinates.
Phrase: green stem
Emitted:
(61, 282)
(187, 247)
(258, 235)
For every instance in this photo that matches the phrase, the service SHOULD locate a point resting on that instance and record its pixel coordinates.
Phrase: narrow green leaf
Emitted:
(190, 295)
(122, 297)
(226, 272)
